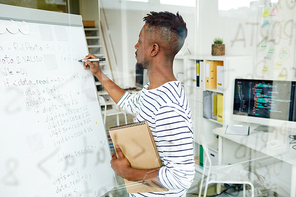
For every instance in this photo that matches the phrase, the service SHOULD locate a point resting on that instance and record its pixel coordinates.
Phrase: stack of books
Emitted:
(213, 105)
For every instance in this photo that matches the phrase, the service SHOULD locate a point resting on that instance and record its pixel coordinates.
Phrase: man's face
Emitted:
(142, 49)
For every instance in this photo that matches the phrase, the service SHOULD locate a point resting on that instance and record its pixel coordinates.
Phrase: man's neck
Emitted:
(160, 74)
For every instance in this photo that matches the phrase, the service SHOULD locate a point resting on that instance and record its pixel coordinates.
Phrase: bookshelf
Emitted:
(233, 67)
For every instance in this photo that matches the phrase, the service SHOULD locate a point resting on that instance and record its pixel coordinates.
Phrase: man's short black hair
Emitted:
(171, 27)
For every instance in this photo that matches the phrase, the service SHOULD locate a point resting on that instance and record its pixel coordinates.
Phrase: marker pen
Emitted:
(93, 60)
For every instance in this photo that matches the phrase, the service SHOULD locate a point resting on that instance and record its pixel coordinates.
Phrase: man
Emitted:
(162, 103)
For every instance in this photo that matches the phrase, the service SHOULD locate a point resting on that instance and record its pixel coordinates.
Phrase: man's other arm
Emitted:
(122, 167)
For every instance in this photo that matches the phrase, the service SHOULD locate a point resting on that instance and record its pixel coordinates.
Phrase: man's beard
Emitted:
(139, 74)
(139, 66)
(142, 66)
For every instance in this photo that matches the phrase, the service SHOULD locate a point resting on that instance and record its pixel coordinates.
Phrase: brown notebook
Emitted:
(138, 146)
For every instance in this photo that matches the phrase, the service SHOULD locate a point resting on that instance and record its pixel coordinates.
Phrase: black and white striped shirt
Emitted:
(167, 111)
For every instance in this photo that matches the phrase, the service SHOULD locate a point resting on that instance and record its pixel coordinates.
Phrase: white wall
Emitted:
(124, 35)
(237, 27)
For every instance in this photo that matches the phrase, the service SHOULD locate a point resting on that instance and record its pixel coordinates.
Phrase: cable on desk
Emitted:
(236, 187)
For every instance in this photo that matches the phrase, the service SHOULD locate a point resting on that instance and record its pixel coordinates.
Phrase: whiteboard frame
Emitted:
(39, 16)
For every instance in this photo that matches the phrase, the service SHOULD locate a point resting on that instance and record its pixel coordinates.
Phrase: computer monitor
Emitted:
(265, 102)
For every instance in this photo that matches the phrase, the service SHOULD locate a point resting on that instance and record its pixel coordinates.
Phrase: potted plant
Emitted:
(218, 48)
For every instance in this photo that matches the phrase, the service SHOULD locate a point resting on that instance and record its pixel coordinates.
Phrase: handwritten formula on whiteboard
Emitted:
(52, 138)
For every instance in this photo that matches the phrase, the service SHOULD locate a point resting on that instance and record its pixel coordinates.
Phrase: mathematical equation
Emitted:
(69, 181)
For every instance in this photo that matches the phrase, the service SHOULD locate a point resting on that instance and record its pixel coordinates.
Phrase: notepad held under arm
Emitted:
(138, 146)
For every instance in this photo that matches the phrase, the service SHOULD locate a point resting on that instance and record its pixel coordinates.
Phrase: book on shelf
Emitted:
(198, 64)
(220, 77)
(111, 146)
(210, 101)
(193, 76)
(214, 106)
(211, 73)
(220, 108)
(201, 155)
(180, 77)
(207, 104)
(138, 146)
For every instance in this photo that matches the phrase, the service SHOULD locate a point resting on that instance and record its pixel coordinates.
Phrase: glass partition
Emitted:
(258, 44)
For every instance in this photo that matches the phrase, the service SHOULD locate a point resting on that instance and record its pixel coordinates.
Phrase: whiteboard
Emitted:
(52, 138)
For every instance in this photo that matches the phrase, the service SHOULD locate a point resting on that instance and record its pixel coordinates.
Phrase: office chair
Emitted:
(115, 110)
(230, 174)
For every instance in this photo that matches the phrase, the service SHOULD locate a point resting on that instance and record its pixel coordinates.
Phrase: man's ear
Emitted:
(155, 49)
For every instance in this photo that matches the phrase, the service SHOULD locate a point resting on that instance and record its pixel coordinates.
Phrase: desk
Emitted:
(269, 144)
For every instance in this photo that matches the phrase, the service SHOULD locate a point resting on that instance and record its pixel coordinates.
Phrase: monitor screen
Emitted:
(267, 99)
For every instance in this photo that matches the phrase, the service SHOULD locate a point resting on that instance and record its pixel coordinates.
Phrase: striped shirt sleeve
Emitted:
(175, 144)
(129, 102)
